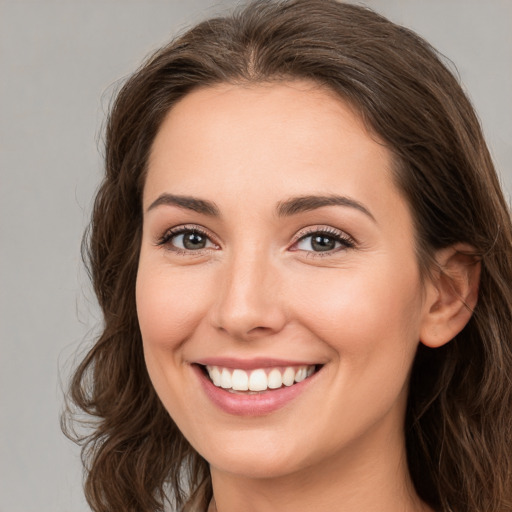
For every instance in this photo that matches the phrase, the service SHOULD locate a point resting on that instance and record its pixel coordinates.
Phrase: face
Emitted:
(277, 249)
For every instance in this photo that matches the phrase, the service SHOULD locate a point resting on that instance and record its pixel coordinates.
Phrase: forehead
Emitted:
(292, 138)
(264, 112)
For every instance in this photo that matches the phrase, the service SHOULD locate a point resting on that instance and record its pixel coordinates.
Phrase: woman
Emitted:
(302, 254)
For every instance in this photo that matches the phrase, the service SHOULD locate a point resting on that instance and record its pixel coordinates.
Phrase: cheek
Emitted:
(169, 304)
(169, 308)
(364, 310)
(370, 323)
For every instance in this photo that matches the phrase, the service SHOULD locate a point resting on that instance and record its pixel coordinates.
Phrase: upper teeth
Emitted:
(258, 380)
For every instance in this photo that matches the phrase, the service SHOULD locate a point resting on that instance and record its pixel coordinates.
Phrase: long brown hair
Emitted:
(459, 415)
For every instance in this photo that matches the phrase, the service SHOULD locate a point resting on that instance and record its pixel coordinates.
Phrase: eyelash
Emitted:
(337, 236)
(166, 238)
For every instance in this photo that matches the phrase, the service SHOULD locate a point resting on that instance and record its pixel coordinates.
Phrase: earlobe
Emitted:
(452, 294)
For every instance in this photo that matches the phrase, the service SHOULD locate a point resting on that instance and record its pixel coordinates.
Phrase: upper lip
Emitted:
(251, 364)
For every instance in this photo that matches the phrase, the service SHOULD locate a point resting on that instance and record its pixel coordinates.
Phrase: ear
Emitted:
(452, 294)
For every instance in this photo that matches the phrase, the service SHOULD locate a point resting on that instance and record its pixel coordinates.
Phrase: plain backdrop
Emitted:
(60, 61)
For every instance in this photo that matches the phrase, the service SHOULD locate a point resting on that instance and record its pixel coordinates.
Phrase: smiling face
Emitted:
(276, 247)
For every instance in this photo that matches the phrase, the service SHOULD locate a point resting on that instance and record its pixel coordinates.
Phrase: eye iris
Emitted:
(194, 240)
(322, 243)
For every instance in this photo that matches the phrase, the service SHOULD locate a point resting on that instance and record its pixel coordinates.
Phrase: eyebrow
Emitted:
(301, 204)
(291, 206)
(187, 202)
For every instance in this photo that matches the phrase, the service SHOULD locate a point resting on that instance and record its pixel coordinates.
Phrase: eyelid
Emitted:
(342, 236)
(169, 233)
(322, 228)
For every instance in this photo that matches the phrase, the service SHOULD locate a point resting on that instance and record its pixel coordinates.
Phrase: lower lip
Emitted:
(258, 404)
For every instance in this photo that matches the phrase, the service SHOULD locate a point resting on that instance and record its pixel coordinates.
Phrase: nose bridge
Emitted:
(247, 303)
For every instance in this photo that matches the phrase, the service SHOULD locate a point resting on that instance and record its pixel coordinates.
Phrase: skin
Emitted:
(255, 291)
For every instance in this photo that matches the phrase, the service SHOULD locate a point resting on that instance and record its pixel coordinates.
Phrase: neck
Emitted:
(370, 476)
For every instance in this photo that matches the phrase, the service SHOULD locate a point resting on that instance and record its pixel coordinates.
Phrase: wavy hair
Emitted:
(459, 415)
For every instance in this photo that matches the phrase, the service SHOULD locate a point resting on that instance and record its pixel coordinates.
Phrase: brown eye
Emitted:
(193, 240)
(184, 239)
(324, 242)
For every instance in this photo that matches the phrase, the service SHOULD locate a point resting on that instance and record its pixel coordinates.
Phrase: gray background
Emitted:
(59, 61)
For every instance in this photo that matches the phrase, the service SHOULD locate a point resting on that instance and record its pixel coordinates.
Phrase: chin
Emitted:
(257, 455)
(262, 466)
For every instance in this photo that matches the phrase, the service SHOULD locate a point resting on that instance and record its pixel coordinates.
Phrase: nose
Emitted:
(249, 301)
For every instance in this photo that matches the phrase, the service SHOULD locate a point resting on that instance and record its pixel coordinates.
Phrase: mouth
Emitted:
(255, 387)
(257, 380)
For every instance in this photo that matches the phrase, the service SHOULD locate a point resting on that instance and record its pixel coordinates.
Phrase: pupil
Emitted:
(194, 241)
(323, 243)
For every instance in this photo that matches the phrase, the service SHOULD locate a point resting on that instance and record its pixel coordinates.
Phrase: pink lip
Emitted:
(249, 364)
(250, 405)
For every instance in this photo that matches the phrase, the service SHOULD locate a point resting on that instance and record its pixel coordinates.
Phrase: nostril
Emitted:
(258, 331)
